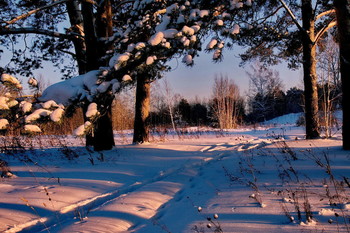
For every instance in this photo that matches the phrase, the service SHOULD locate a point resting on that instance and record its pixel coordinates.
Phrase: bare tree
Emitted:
(265, 92)
(225, 102)
(329, 81)
(123, 110)
(165, 98)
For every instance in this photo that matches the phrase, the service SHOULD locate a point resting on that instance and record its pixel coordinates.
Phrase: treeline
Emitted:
(226, 108)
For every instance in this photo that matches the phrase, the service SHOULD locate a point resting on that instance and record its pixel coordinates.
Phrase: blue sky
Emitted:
(198, 80)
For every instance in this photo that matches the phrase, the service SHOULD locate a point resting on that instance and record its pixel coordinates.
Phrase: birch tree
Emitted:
(226, 102)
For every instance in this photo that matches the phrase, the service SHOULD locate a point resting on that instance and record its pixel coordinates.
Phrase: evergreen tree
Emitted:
(343, 19)
(273, 33)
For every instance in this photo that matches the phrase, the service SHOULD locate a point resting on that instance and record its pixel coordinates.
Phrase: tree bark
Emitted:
(309, 69)
(96, 28)
(76, 21)
(142, 106)
(103, 130)
(104, 29)
(90, 36)
(342, 8)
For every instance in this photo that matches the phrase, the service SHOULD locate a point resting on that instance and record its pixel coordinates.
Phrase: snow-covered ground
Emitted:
(246, 180)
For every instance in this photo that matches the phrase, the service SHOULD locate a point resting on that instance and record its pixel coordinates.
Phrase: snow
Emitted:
(3, 102)
(12, 103)
(37, 114)
(235, 29)
(32, 129)
(3, 124)
(219, 22)
(164, 24)
(203, 13)
(25, 106)
(177, 182)
(196, 28)
(289, 119)
(119, 59)
(103, 87)
(70, 90)
(150, 60)
(81, 130)
(92, 110)
(171, 8)
(131, 47)
(217, 54)
(33, 82)
(6, 78)
(140, 45)
(188, 31)
(186, 42)
(180, 19)
(126, 78)
(170, 33)
(57, 114)
(188, 60)
(49, 104)
(156, 39)
(212, 44)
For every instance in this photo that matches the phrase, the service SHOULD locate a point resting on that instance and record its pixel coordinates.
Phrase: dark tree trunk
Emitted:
(91, 54)
(342, 8)
(90, 36)
(104, 28)
(142, 106)
(309, 69)
(103, 130)
(76, 21)
(98, 27)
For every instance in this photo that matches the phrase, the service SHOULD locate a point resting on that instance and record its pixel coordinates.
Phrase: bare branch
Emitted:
(270, 15)
(90, 1)
(8, 31)
(68, 52)
(35, 11)
(323, 30)
(292, 15)
(325, 13)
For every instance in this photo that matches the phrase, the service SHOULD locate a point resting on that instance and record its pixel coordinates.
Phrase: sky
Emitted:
(196, 81)
(199, 79)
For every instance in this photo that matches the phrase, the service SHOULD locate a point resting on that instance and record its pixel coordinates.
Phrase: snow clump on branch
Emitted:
(10, 80)
(171, 28)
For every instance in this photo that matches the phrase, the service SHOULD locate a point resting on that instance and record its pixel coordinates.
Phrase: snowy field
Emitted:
(262, 179)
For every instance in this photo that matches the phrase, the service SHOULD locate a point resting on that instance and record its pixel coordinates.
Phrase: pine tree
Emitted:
(343, 19)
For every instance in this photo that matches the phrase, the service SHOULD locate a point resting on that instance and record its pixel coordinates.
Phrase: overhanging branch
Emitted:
(292, 16)
(12, 21)
(325, 13)
(11, 31)
(323, 30)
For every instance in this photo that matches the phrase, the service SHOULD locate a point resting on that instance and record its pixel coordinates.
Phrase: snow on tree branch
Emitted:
(152, 33)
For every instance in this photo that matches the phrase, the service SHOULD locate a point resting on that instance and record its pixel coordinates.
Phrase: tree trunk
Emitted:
(343, 22)
(103, 130)
(76, 21)
(90, 36)
(309, 69)
(104, 29)
(94, 28)
(142, 106)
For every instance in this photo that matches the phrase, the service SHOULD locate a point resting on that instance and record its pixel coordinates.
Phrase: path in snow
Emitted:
(132, 204)
(159, 188)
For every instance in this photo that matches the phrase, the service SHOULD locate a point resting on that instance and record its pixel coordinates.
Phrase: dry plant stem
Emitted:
(36, 212)
(334, 183)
